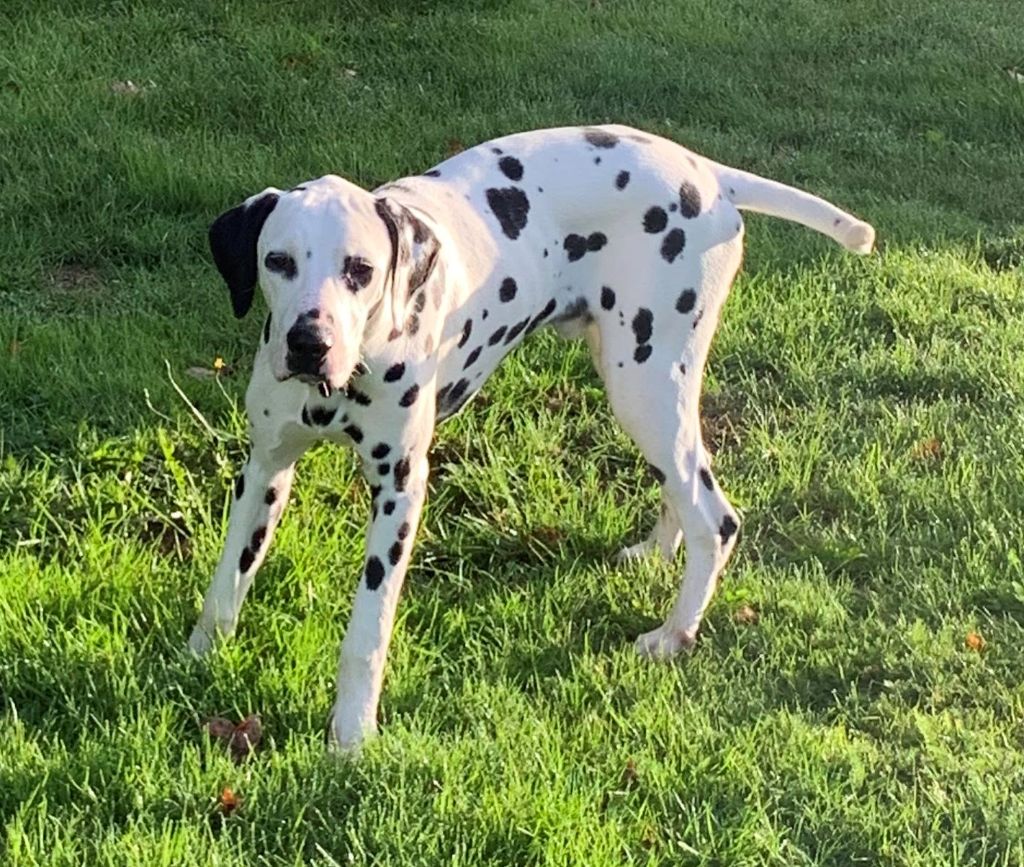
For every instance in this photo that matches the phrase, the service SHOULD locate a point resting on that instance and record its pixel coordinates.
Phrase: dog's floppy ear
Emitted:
(414, 252)
(233, 244)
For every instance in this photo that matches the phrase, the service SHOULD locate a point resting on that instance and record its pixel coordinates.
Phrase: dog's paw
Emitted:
(664, 643)
(345, 740)
(200, 642)
(634, 553)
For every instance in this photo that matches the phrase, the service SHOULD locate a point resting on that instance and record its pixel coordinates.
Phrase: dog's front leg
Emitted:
(398, 498)
(261, 491)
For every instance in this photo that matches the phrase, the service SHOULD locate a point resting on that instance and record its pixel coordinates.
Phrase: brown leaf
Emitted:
(201, 372)
(247, 736)
(453, 146)
(745, 615)
(974, 642)
(241, 739)
(928, 450)
(629, 776)
(228, 801)
(220, 728)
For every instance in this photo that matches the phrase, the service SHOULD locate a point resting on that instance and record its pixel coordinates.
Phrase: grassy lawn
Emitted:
(867, 418)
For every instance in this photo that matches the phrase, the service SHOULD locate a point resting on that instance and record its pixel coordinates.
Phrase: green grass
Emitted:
(866, 416)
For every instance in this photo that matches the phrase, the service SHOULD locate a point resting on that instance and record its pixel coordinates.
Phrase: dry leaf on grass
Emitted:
(974, 642)
(453, 146)
(228, 801)
(745, 615)
(629, 775)
(219, 368)
(130, 88)
(928, 450)
(241, 739)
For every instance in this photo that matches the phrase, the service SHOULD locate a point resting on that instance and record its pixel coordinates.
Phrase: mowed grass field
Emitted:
(858, 690)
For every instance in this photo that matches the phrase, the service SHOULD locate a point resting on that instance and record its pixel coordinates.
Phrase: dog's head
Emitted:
(329, 257)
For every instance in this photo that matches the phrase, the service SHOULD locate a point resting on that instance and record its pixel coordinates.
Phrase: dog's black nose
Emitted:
(308, 344)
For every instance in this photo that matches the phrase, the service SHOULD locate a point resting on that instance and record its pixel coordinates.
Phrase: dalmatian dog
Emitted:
(389, 309)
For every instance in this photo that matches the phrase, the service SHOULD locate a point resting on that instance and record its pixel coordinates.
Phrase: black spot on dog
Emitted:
(383, 468)
(577, 309)
(575, 246)
(456, 396)
(395, 372)
(642, 353)
(511, 168)
(496, 337)
(659, 476)
(508, 290)
(698, 317)
(266, 330)
(442, 394)
(420, 302)
(321, 415)
(413, 325)
(484, 314)
(510, 206)
(549, 308)
(705, 477)
(355, 395)
(433, 173)
(245, 561)
(467, 329)
(389, 506)
(595, 241)
(409, 398)
(686, 300)
(607, 298)
(354, 433)
(403, 530)
(258, 535)
(673, 207)
(727, 528)
(305, 416)
(395, 553)
(682, 368)
(239, 486)
(270, 496)
(374, 572)
(643, 325)
(402, 469)
(381, 450)
(655, 220)
(472, 357)
(597, 161)
(516, 329)
(689, 200)
(621, 179)
(375, 492)
(599, 138)
(497, 151)
(672, 244)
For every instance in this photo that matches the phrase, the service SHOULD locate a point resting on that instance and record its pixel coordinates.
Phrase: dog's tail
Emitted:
(753, 193)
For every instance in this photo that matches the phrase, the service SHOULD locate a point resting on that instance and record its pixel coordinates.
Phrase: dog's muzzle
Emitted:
(308, 344)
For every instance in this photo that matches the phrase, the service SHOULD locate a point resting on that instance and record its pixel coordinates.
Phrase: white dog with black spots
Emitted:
(389, 309)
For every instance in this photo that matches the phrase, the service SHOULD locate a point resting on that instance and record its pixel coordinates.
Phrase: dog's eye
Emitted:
(358, 271)
(281, 263)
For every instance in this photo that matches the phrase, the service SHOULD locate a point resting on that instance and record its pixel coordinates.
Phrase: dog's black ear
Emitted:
(414, 255)
(233, 244)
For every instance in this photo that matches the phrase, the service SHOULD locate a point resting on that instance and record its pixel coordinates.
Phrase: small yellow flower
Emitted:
(218, 363)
